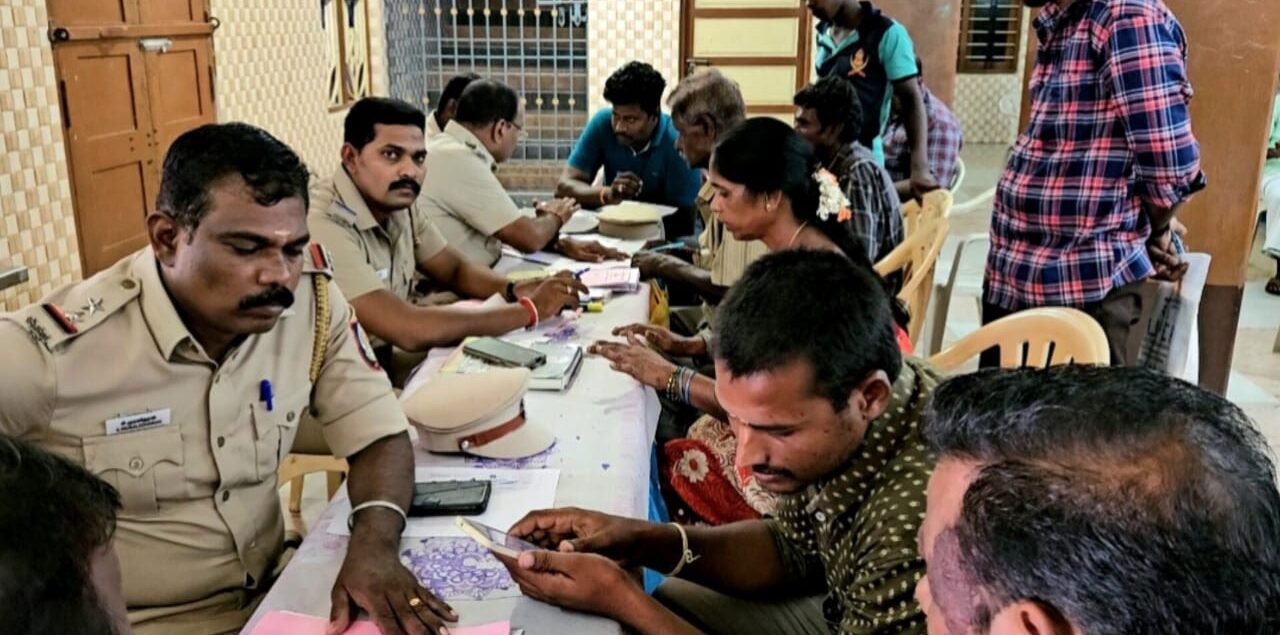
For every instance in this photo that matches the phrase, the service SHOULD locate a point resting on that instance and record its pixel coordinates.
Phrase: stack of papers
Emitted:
(619, 279)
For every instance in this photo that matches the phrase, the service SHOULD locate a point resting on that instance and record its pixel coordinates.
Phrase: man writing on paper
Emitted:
(466, 201)
(635, 143)
(179, 376)
(365, 215)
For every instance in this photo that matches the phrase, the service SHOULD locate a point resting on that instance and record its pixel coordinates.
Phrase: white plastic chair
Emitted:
(957, 179)
(951, 278)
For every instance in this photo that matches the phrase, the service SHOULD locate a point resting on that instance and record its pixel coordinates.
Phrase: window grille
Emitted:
(990, 36)
(539, 47)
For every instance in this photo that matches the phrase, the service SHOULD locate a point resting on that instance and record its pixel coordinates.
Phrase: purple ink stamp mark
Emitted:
(459, 569)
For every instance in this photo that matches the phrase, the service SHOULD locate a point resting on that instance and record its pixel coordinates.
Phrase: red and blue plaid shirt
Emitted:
(1110, 134)
(945, 141)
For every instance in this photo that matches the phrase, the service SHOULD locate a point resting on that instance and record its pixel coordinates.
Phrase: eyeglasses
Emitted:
(520, 133)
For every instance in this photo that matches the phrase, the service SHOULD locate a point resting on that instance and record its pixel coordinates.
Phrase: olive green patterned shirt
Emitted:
(855, 532)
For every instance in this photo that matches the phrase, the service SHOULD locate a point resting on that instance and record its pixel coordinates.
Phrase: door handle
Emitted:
(155, 44)
(692, 64)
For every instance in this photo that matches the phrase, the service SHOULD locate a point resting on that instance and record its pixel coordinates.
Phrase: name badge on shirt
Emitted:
(138, 422)
(383, 273)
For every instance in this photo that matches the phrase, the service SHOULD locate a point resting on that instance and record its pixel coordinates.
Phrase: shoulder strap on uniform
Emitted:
(318, 261)
(320, 266)
(72, 312)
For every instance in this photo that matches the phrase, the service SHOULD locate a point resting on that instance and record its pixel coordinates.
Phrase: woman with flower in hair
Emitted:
(769, 186)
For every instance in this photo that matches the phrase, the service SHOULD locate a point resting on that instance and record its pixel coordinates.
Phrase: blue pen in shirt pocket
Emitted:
(265, 395)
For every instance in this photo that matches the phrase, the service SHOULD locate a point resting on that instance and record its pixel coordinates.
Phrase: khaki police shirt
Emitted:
(433, 128)
(463, 196)
(105, 373)
(368, 256)
(855, 532)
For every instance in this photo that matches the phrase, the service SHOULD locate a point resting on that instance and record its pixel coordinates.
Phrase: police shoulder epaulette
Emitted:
(75, 311)
(318, 260)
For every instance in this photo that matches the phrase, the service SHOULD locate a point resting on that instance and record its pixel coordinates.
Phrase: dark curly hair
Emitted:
(637, 84)
(835, 103)
(201, 157)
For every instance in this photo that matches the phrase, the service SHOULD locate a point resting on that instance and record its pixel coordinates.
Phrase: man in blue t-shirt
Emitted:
(635, 143)
(875, 54)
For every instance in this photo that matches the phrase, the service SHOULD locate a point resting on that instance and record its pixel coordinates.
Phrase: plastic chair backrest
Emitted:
(937, 204)
(1036, 338)
(917, 258)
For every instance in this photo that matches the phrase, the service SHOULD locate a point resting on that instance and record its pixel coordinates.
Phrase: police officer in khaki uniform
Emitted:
(179, 376)
(365, 215)
(464, 198)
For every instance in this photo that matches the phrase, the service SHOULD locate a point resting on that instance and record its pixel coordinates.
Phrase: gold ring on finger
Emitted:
(415, 602)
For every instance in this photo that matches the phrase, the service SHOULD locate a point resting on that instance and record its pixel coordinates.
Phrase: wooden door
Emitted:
(181, 85)
(762, 44)
(110, 143)
(74, 13)
(133, 75)
(157, 12)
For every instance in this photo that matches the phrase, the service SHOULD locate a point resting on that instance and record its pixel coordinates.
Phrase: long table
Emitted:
(604, 425)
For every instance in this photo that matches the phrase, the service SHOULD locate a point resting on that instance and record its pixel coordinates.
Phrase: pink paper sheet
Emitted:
(286, 623)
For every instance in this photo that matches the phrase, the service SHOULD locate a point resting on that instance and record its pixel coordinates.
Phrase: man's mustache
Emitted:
(275, 296)
(406, 184)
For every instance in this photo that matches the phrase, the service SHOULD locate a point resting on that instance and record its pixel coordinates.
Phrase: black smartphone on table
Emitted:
(496, 351)
(450, 498)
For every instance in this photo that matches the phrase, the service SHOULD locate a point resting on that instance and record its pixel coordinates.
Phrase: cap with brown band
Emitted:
(481, 414)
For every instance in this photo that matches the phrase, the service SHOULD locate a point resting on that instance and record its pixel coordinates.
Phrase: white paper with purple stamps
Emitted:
(458, 569)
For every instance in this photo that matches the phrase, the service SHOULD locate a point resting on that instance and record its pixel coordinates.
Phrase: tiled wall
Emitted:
(271, 65)
(988, 106)
(270, 72)
(620, 31)
(35, 189)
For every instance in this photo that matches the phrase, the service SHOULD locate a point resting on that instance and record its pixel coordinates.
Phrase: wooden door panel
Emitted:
(172, 11)
(115, 224)
(110, 146)
(181, 93)
(92, 12)
(762, 44)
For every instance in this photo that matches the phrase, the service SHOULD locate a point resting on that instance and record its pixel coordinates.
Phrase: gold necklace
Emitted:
(797, 234)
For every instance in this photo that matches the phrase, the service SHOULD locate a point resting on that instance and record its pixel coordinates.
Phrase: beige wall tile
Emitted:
(35, 193)
(271, 65)
(988, 106)
(619, 31)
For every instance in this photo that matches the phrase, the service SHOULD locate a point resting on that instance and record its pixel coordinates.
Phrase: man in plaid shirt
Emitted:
(1083, 210)
(945, 141)
(829, 117)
